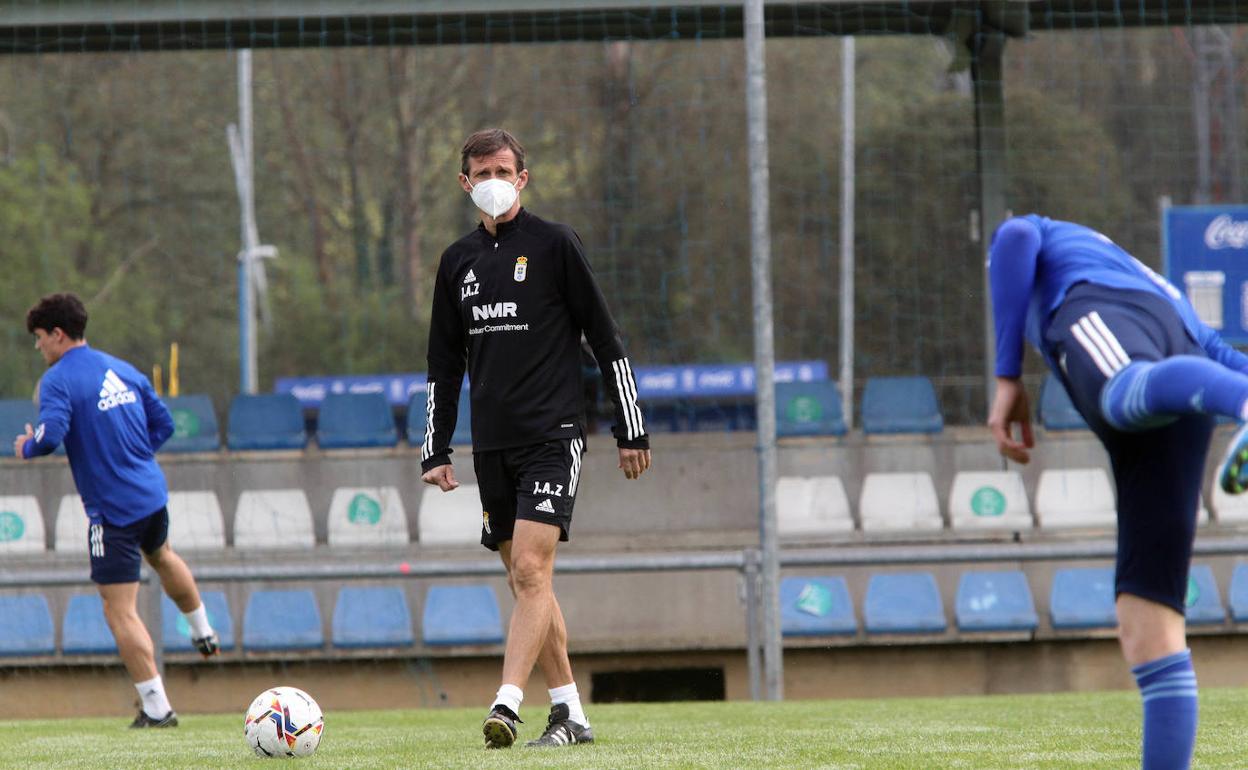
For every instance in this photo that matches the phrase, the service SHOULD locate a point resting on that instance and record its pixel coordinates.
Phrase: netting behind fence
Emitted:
(117, 184)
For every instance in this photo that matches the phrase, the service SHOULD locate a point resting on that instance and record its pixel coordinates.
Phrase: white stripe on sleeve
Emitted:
(426, 449)
(626, 389)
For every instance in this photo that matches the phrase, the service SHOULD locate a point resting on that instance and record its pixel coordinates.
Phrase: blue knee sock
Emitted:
(1168, 686)
(1147, 394)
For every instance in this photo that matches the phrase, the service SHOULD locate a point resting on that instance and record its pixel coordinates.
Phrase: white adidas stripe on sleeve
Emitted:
(626, 389)
(426, 449)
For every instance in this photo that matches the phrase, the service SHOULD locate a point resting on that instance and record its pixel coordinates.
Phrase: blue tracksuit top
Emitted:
(1034, 261)
(111, 422)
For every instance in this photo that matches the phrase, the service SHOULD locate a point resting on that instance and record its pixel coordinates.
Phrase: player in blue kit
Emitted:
(112, 423)
(1149, 377)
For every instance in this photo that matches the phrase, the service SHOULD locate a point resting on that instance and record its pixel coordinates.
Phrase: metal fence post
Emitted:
(749, 574)
(156, 622)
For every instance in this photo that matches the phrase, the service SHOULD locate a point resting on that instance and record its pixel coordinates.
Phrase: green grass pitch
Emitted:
(1085, 730)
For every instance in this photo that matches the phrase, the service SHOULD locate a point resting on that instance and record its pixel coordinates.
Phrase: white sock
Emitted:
(568, 694)
(198, 620)
(510, 696)
(155, 702)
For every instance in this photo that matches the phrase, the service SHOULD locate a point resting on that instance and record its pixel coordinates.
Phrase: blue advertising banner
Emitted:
(652, 382)
(1205, 254)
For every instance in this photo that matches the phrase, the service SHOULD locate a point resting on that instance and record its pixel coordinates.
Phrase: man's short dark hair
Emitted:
(58, 311)
(487, 142)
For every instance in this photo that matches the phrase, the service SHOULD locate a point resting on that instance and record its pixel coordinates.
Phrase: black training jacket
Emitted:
(512, 308)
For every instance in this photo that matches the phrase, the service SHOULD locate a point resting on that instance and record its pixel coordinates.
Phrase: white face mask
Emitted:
(495, 196)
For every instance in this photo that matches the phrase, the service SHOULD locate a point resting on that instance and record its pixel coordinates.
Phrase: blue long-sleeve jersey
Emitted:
(111, 422)
(1034, 261)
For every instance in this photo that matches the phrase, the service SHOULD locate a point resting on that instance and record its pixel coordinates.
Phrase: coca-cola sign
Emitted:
(1225, 232)
(1201, 243)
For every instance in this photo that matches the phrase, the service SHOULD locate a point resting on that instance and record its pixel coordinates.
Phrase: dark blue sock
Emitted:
(1168, 687)
(1147, 394)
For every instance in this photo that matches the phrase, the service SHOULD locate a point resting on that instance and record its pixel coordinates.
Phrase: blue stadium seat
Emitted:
(194, 425)
(372, 617)
(282, 620)
(903, 603)
(664, 416)
(416, 409)
(900, 405)
(85, 631)
(177, 632)
(26, 625)
(1237, 597)
(1056, 410)
(16, 414)
(995, 601)
(461, 615)
(816, 606)
(1203, 601)
(355, 420)
(719, 416)
(1083, 597)
(268, 421)
(809, 409)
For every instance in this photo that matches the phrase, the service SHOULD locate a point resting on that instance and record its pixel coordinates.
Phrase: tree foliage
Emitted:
(117, 184)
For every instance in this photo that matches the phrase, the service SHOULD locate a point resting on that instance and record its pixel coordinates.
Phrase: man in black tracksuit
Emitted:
(510, 302)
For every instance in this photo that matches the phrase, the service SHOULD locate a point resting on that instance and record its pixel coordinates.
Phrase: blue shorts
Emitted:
(115, 550)
(1158, 472)
(536, 482)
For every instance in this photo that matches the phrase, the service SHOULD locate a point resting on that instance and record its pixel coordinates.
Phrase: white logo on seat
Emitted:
(114, 392)
(545, 506)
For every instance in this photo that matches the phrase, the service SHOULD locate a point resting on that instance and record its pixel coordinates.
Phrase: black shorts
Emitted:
(115, 550)
(536, 482)
(1157, 472)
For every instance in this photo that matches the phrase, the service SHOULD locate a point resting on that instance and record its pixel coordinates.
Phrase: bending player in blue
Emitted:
(112, 423)
(1148, 376)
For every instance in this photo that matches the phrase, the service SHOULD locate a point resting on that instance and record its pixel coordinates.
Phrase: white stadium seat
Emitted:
(367, 516)
(21, 525)
(195, 521)
(450, 518)
(1232, 510)
(812, 505)
(1074, 498)
(989, 500)
(898, 502)
(71, 526)
(273, 518)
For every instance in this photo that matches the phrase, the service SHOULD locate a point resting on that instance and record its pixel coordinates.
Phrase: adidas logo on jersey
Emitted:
(470, 277)
(545, 506)
(114, 392)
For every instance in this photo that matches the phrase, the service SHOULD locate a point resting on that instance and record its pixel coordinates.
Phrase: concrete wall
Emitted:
(702, 490)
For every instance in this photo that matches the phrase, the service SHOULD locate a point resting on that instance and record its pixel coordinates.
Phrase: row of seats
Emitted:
(275, 421)
(353, 420)
(1069, 498)
(1080, 598)
(281, 519)
(889, 405)
(264, 519)
(364, 617)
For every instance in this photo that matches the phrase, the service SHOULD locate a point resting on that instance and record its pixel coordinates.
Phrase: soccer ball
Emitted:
(283, 722)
